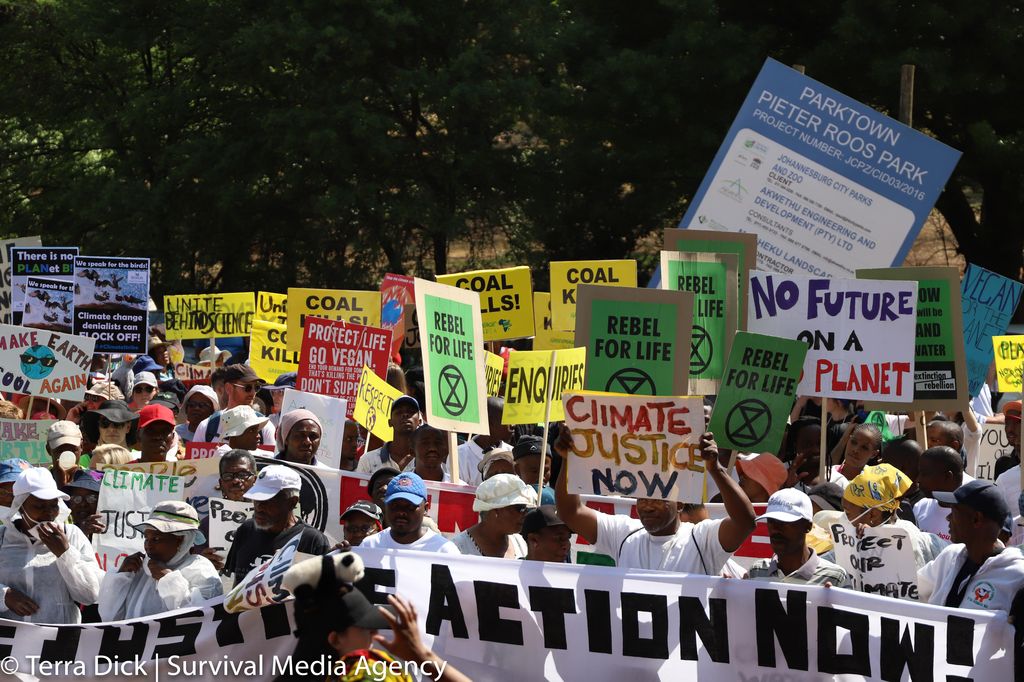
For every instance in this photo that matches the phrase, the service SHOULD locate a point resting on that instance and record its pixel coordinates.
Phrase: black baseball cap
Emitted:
(364, 507)
(168, 400)
(240, 373)
(526, 446)
(543, 516)
(378, 474)
(981, 496)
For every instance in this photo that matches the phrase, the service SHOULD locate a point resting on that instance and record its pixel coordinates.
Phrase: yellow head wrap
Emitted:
(879, 486)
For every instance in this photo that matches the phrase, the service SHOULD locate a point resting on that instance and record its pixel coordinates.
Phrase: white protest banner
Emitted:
(860, 332)
(525, 621)
(43, 363)
(331, 413)
(994, 444)
(881, 561)
(126, 498)
(262, 586)
(637, 446)
(320, 497)
(5, 272)
(25, 439)
(225, 518)
(198, 644)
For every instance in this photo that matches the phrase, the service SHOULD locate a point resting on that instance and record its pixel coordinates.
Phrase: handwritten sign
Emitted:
(637, 446)
(205, 316)
(25, 439)
(126, 499)
(989, 302)
(1009, 352)
(225, 518)
(262, 586)
(271, 307)
(44, 363)
(880, 562)
(494, 371)
(373, 404)
(269, 356)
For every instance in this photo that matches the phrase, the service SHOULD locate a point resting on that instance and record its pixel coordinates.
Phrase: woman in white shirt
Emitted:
(502, 501)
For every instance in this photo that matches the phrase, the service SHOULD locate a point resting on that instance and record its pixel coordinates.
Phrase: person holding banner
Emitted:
(167, 575)
(547, 536)
(200, 403)
(977, 571)
(46, 568)
(502, 502)
(657, 540)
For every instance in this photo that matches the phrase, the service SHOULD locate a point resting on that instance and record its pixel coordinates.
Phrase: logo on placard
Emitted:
(701, 350)
(748, 422)
(505, 324)
(452, 388)
(371, 417)
(982, 594)
(734, 189)
(631, 380)
(37, 362)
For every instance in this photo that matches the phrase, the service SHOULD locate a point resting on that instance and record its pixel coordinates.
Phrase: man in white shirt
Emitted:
(658, 541)
(940, 469)
(240, 386)
(397, 453)
(406, 504)
(473, 450)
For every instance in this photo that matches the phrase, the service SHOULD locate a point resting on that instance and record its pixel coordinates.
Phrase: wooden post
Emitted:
(822, 476)
(547, 418)
(453, 456)
(907, 94)
(110, 376)
(922, 427)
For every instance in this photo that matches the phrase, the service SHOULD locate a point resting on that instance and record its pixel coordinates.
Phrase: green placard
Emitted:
(743, 245)
(711, 278)
(637, 340)
(757, 393)
(453, 357)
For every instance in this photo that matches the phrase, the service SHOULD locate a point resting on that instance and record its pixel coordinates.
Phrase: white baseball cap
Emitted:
(145, 379)
(237, 419)
(37, 482)
(271, 480)
(788, 505)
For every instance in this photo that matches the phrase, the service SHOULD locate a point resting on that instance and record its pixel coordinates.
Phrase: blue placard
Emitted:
(828, 184)
(989, 301)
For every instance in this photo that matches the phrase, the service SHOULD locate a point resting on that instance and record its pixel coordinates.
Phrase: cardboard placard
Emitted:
(49, 304)
(225, 518)
(741, 244)
(494, 369)
(860, 332)
(373, 404)
(1009, 353)
(453, 370)
(396, 292)
(187, 372)
(5, 269)
(206, 316)
(197, 450)
(940, 368)
(358, 307)
(331, 412)
(126, 499)
(411, 335)
(566, 276)
(711, 278)
(52, 262)
(637, 446)
(545, 336)
(994, 444)
(879, 561)
(637, 340)
(25, 439)
(526, 394)
(271, 307)
(506, 300)
(334, 353)
(269, 356)
(989, 301)
(42, 363)
(112, 302)
(757, 393)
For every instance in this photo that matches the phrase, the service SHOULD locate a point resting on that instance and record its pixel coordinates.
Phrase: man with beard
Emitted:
(405, 419)
(789, 519)
(658, 541)
(274, 495)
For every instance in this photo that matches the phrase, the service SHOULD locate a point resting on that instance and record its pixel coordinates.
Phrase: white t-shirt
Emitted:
(430, 542)
(464, 541)
(681, 552)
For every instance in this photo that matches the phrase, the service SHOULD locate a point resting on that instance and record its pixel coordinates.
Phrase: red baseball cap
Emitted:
(1012, 410)
(155, 413)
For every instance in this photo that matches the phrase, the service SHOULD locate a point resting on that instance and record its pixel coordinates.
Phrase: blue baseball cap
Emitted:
(87, 479)
(10, 469)
(407, 486)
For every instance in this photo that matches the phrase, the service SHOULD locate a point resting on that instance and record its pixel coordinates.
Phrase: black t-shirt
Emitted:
(252, 547)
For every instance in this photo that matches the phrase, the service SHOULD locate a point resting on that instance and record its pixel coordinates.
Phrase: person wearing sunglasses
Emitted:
(200, 403)
(143, 391)
(502, 501)
(240, 386)
(112, 423)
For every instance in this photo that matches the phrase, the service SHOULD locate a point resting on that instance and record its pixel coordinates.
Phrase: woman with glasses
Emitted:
(200, 402)
(112, 423)
(502, 501)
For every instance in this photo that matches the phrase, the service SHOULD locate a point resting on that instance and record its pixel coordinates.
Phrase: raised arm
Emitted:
(580, 518)
(740, 520)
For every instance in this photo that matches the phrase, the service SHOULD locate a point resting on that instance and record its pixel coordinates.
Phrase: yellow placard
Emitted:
(506, 300)
(527, 383)
(373, 404)
(361, 307)
(566, 275)
(271, 307)
(493, 373)
(545, 337)
(1009, 362)
(206, 316)
(269, 356)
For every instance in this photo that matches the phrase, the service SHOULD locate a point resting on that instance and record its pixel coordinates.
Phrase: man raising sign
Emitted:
(658, 540)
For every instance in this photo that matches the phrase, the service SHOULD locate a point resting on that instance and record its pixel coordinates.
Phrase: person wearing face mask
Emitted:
(45, 567)
(167, 575)
(10, 469)
(112, 423)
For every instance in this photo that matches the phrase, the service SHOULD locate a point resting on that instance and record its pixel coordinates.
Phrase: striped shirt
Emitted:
(815, 571)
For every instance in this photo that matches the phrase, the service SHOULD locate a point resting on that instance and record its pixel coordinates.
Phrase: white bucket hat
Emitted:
(503, 490)
(237, 419)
